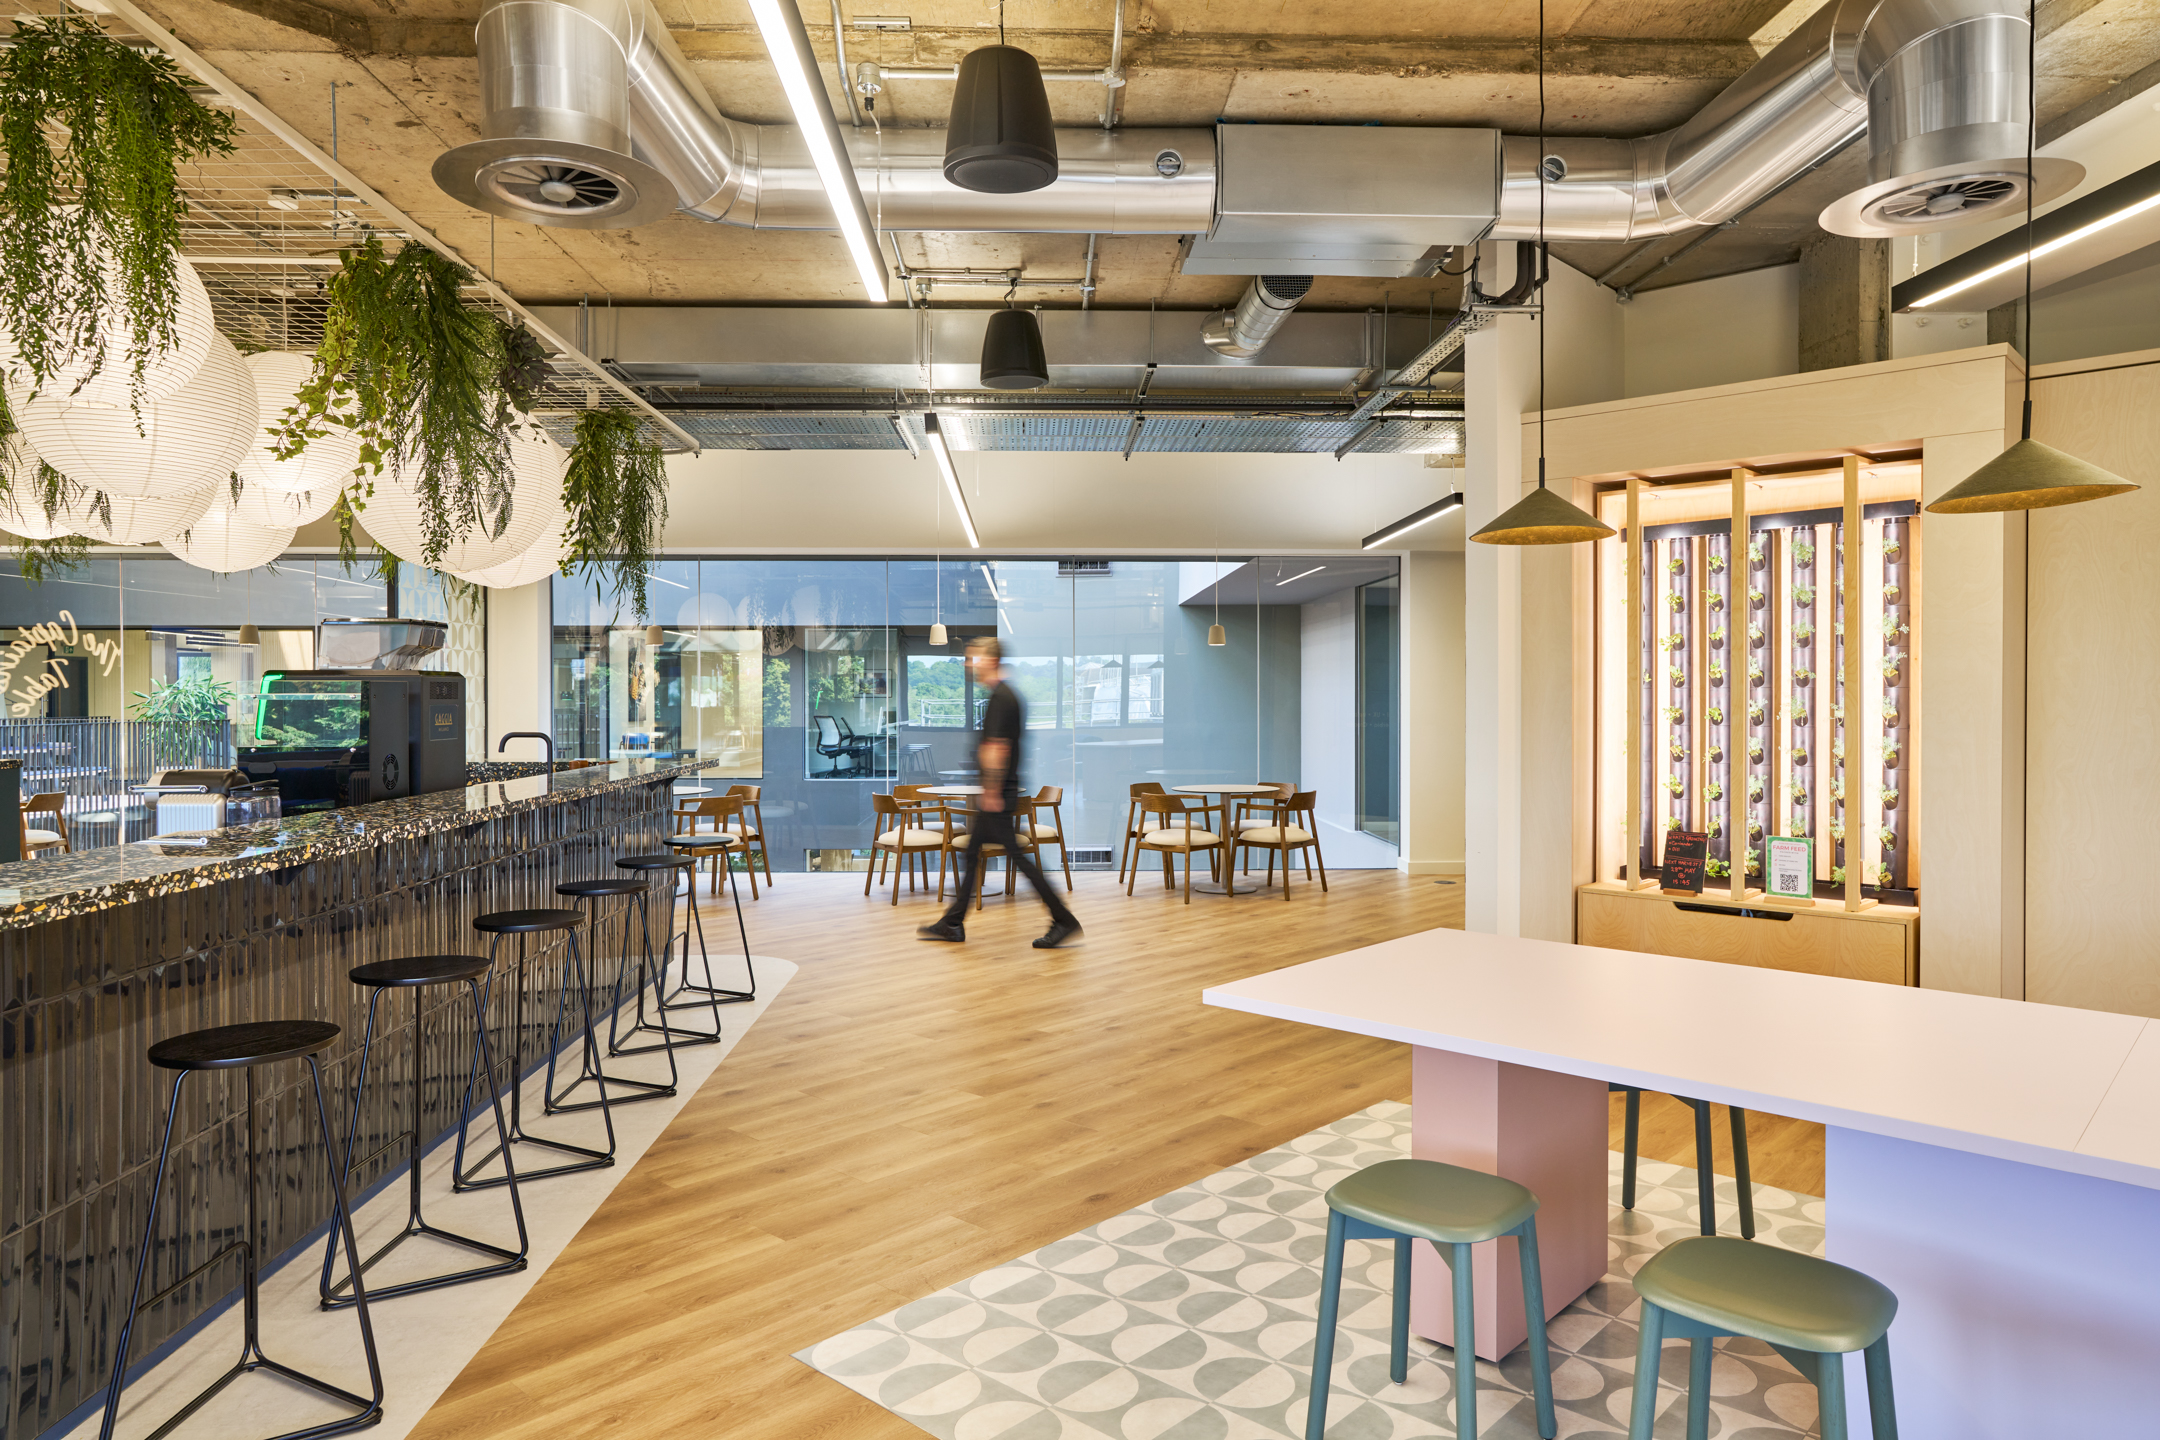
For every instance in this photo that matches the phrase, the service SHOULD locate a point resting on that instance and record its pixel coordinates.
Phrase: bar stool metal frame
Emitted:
(244, 1047)
(522, 923)
(419, 973)
(637, 891)
(1705, 1177)
(1379, 1190)
(715, 994)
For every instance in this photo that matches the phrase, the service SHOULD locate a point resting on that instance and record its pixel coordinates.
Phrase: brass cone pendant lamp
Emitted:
(1542, 517)
(2029, 475)
(1216, 635)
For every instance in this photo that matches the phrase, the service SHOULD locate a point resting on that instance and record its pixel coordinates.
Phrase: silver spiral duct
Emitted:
(1245, 328)
(594, 118)
(1939, 86)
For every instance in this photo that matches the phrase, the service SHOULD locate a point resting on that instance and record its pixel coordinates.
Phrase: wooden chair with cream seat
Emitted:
(1050, 832)
(1253, 812)
(720, 819)
(52, 807)
(957, 842)
(897, 832)
(1168, 829)
(938, 813)
(1291, 826)
(751, 826)
(1133, 829)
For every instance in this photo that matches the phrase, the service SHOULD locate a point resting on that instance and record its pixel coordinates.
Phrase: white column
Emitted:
(517, 665)
(1432, 713)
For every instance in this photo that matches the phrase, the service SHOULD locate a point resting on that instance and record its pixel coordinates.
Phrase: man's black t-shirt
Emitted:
(1004, 718)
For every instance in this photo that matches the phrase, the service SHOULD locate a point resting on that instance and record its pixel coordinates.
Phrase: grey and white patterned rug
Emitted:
(1192, 1318)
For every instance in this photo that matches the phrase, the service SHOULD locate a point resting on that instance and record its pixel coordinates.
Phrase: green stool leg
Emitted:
(1882, 1407)
(1323, 1350)
(1705, 1181)
(1642, 1414)
(1698, 1388)
(1533, 1288)
(1399, 1334)
(1465, 1345)
(1830, 1390)
(1740, 1172)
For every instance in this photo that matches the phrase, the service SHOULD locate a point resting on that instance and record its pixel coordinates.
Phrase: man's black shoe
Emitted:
(941, 931)
(1058, 934)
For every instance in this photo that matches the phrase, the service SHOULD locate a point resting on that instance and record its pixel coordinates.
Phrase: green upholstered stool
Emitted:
(1810, 1311)
(1453, 1208)
(1705, 1179)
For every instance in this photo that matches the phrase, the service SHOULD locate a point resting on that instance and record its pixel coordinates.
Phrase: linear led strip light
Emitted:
(2083, 232)
(788, 43)
(940, 453)
(1411, 522)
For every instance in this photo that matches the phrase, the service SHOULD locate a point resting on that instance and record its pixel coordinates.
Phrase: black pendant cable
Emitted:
(1542, 517)
(2029, 475)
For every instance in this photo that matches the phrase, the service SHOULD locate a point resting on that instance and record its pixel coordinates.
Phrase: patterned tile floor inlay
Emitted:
(1192, 1318)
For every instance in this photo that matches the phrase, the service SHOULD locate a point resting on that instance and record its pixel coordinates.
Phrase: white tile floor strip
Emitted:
(424, 1340)
(1192, 1318)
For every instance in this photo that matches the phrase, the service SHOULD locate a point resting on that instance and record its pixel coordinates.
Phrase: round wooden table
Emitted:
(956, 791)
(1229, 792)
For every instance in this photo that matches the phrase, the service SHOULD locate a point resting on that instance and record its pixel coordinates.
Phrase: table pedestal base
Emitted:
(1547, 1131)
(2027, 1297)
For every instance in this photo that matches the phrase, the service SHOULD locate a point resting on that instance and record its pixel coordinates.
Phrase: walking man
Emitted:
(997, 759)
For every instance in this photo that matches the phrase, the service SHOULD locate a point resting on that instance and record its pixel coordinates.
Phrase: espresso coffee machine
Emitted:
(362, 731)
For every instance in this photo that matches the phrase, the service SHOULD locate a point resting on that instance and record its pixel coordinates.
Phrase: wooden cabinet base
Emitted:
(1881, 943)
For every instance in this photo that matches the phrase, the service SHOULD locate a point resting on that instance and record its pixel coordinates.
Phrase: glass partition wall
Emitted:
(129, 665)
(816, 680)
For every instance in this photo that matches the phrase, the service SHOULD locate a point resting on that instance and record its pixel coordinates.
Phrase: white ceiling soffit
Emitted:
(1282, 579)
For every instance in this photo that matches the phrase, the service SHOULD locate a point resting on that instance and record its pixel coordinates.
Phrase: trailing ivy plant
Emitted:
(90, 206)
(419, 375)
(615, 490)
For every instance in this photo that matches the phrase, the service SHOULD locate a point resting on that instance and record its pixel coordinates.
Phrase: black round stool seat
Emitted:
(587, 889)
(656, 862)
(412, 970)
(703, 838)
(528, 922)
(233, 1047)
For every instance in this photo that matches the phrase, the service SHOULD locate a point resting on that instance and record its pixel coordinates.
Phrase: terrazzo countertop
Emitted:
(35, 891)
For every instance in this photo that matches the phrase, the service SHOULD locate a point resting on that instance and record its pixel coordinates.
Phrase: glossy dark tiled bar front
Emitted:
(104, 953)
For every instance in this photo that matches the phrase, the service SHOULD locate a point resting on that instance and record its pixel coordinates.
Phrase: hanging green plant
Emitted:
(1673, 714)
(1715, 714)
(418, 374)
(1718, 869)
(1676, 565)
(1803, 553)
(90, 207)
(615, 488)
(1804, 596)
(1675, 785)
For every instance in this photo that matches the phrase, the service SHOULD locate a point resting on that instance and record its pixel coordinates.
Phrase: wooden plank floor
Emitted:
(908, 1114)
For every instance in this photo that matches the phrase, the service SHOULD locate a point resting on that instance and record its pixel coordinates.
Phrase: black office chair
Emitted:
(838, 741)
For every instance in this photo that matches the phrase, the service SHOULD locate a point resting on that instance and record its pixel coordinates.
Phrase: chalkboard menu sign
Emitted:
(1683, 869)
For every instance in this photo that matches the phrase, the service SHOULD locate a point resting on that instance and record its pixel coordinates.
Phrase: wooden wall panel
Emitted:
(2093, 700)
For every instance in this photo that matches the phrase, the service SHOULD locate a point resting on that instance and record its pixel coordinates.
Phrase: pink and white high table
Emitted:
(1996, 1163)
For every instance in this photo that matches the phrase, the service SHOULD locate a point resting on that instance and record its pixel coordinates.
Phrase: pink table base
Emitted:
(1538, 1128)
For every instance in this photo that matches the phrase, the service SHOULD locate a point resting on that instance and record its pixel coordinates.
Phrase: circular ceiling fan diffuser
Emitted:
(1947, 197)
(556, 182)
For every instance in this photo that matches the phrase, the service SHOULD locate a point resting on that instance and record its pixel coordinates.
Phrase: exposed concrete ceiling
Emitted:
(406, 88)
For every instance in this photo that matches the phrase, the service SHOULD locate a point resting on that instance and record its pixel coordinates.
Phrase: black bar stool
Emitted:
(635, 891)
(1705, 1178)
(697, 845)
(417, 973)
(649, 866)
(522, 923)
(243, 1047)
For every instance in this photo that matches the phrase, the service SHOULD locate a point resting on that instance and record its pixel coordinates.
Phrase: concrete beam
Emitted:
(1844, 302)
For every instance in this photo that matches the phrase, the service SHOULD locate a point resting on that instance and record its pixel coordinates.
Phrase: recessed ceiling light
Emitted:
(1301, 575)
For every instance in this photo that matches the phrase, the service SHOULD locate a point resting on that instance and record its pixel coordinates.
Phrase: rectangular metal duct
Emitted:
(1346, 200)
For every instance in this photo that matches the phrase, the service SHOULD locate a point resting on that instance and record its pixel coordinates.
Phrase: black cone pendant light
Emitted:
(999, 139)
(1542, 517)
(2029, 475)
(1012, 353)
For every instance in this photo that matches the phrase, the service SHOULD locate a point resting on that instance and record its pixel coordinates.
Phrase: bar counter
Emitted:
(106, 952)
